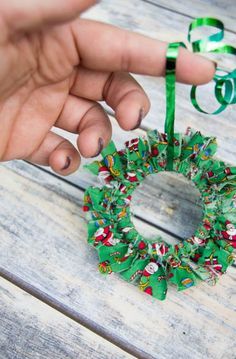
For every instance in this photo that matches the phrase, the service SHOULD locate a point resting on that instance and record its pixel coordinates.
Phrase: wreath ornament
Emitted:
(152, 263)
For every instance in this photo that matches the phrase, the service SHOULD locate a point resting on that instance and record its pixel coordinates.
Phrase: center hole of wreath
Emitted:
(169, 205)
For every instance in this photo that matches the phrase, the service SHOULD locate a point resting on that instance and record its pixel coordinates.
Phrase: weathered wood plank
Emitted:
(32, 329)
(62, 188)
(223, 10)
(43, 241)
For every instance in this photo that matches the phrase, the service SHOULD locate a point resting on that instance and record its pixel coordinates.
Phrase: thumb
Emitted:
(26, 15)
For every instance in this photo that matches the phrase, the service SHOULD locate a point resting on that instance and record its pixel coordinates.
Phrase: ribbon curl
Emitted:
(225, 85)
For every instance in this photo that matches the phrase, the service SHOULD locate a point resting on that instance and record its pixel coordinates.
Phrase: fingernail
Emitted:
(67, 163)
(215, 64)
(140, 117)
(100, 146)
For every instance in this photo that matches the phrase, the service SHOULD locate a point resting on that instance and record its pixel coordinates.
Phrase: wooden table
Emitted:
(53, 302)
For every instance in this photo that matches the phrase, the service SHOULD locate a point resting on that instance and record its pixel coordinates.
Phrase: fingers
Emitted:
(77, 116)
(58, 153)
(126, 97)
(114, 49)
(120, 91)
(25, 15)
(89, 120)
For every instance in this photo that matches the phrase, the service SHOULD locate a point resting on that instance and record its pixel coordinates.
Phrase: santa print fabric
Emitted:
(151, 263)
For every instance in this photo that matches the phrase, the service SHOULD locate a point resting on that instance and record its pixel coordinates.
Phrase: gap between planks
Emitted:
(30, 329)
(200, 309)
(153, 3)
(72, 314)
(82, 188)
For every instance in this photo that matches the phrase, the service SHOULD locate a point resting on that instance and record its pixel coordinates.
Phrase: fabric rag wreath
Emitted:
(152, 263)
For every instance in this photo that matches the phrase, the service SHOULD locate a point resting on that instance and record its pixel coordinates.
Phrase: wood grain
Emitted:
(224, 10)
(32, 329)
(46, 246)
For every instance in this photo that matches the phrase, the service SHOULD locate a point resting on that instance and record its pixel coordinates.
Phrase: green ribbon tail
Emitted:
(171, 56)
(225, 85)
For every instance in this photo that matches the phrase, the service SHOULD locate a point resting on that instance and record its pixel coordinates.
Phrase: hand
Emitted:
(54, 67)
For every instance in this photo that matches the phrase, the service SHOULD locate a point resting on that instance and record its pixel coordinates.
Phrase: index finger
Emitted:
(108, 48)
(33, 14)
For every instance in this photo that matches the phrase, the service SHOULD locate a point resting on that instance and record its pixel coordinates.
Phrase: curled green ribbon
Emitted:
(225, 85)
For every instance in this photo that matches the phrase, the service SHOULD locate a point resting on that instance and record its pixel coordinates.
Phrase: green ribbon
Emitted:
(171, 56)
(225, 85)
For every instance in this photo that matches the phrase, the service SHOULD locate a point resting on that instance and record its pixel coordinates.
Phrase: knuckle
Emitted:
(125, 61)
